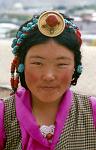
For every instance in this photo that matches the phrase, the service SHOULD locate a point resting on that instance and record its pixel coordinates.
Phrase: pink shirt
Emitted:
(32, 139)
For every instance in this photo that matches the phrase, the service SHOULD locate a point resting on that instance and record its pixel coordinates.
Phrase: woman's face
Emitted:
(48, 70)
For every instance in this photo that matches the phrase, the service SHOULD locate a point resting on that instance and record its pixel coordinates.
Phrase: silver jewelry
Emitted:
(45, 130)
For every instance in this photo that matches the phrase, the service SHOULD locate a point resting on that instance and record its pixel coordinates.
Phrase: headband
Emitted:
(50, 23)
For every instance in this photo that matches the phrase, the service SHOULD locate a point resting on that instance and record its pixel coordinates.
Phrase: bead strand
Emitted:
(14, 78)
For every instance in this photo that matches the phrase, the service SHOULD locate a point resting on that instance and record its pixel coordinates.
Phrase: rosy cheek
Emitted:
(65, 77)
(31, 76)
(34, 77)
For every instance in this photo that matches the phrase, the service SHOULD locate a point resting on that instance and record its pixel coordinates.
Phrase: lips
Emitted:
(49, 88)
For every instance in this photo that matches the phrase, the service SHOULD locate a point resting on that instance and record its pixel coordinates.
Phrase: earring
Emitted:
(79, 69)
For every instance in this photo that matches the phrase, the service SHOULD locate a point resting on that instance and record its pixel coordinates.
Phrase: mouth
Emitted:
(49, 87)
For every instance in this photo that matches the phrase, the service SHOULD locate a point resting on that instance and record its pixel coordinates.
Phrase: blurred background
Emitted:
(13, 13)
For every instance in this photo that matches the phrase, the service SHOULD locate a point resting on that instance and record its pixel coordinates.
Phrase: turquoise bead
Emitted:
(15, 49)
(14, 43)
(19, 41)
(19, 34)
(79, 69)
(28, 29)
(21, 68)
(29, 24)
(34, 20)
(24, 29)
(24, 36)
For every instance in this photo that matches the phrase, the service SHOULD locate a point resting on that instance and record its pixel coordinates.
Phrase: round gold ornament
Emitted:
(51, 23)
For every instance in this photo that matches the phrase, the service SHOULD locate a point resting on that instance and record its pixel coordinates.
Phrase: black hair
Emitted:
(68, 38)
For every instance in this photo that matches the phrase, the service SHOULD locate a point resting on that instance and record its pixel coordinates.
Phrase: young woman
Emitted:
(43, 113)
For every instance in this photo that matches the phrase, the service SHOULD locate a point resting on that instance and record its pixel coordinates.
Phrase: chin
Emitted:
(50, 99)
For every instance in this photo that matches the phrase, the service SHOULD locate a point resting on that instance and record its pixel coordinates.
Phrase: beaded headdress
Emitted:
(49, 23)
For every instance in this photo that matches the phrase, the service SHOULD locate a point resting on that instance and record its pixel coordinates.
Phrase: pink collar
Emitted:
(26, 118)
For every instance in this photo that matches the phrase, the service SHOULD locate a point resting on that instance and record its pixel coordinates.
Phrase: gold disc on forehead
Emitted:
(51, 23)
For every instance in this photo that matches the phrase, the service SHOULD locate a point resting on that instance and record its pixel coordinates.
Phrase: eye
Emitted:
(62, 64)
(37, 63)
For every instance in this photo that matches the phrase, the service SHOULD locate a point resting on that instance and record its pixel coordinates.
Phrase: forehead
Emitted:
(50, 49)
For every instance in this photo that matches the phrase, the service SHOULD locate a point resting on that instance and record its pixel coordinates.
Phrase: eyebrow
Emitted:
(37, 57)
(58, 58)
(63, 57)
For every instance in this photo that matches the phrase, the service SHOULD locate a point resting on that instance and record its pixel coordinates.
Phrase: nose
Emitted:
(49, 75)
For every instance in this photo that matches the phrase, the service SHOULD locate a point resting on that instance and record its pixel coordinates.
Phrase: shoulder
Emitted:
(83, 101)
(83, 98)
(6, 104)
(9, 108)
(9, 100)
(86, 103)
(86, 106)
(6, 111)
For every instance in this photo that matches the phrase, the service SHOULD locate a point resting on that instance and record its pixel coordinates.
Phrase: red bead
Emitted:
(12, 82)
(16, 81)
(52, 20)
(26, 33)
(49, 136)
(79, 36)
(18, 44)
(15, 60)
(66, 26)
(78, 32)
(12, 67)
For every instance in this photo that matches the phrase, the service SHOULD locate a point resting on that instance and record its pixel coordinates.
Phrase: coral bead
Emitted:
(52, 20)
(12, 67)
(12, 82)
(49, 136)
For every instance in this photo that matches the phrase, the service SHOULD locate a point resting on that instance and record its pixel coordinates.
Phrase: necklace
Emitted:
(47, 131)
